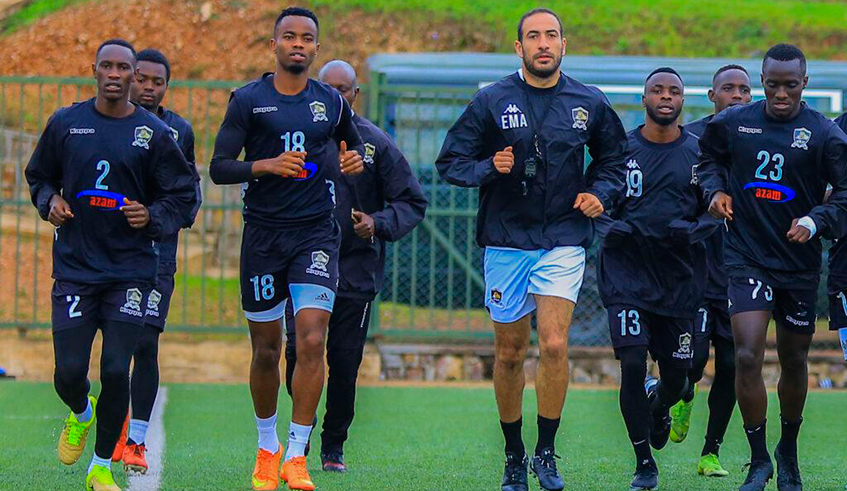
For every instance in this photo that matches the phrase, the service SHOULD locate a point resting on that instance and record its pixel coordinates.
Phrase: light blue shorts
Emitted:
(513, 276)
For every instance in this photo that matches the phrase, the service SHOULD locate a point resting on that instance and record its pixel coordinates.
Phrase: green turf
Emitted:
(34, 11)
(406, 439)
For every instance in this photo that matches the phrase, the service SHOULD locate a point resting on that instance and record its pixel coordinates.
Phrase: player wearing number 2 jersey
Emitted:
(292, 129)
(111, 178)
(764, 168)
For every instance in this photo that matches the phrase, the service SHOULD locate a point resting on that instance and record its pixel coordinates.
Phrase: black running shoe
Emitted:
(544, 468)
(758, 475)
(646, 477)
(333, 461)
(787, 472)
(660, 425)
(514, 476)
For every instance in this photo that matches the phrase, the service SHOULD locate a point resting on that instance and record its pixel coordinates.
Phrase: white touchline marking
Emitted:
(155, 442)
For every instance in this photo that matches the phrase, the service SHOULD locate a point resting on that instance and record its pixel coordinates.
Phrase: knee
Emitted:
(114, 371)
(555, 349)
(310, 346)
(266, 356)
(510, 356)
(70, 373)
(793, 363)
(747, 360)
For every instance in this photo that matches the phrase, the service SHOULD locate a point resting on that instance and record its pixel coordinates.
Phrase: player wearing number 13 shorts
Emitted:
(764, 168)
(109, 175)
(294, 131)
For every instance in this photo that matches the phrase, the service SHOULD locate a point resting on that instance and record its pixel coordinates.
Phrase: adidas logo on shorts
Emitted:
(323, 297)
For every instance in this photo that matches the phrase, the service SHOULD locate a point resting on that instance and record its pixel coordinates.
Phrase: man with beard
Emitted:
(730, 87)
(521, 141)
(651, 269)
(765, 168)
(293, 130)
(153, 75)
(110, 177)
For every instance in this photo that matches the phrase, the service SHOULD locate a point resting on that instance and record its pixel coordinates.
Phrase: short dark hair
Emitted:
(117, 42)
(786, 52)
(540, 10)
(664, 69)
(297, 12)
(156, 56)
(727, 68)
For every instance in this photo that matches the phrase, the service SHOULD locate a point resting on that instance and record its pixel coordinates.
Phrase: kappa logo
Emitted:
(265, 109)
(320, 259)
(580, 118)
(801, 138)
(513, 117)
(143, 135)
(81, 131)
(632, 164)
(370, 152)
(496, 297)
(133, 303)
(750, 131)
(318, 109)
(175, 133)
(684, 351)
(153, 303)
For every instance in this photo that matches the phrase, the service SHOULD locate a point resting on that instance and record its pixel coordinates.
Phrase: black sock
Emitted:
(643, 454)
(758, 442)
(788, 439)
(546, 433)
(514, 439)
(711, 446)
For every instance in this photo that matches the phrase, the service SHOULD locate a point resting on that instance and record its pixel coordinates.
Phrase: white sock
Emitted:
(85, 416)
(268, 439)
(138, 430)
(298, 437)
(107, 462)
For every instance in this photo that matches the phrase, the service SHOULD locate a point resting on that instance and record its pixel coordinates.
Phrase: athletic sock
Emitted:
(85, 416)
(546, 433)
(788, 439)
(758, 442)
(137, 431)
(643, 454)
(514, 439)
(268, 439)
(298, 438)
(102, 462)
(711, 446)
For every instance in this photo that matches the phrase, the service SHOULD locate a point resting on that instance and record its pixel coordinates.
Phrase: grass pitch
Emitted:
(407, 439)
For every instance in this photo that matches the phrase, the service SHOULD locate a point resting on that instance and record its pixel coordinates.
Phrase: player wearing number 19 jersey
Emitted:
(109, 175)
(291, 129)
(765, 168)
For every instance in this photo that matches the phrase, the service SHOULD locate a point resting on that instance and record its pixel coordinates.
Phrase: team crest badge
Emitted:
(318, 111)
(175, 133)
(370, 151)
(685, 344)
(319, 260)
(496, 296)
(153, 301)
(143, 135)
(801, 138)
(580, 118)
(133, 303)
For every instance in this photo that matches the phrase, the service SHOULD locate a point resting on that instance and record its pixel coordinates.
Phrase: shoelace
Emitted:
(75, 431)
(548, 460)
(515, 470)
(138, 451)
(299, 470)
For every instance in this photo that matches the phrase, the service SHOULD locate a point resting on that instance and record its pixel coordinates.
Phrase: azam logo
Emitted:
(133, 303)
(370, 151)
(143, 135)
(318, 111)
(801, 138)
(175, 133)
(580, 118)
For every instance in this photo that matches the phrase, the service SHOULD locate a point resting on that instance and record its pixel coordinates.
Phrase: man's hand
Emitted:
(136, 214)
(721, 206)
(351, 161)
(504, 161)
(589, 205)
(363, 225)
(798, 233)
(287, 164)
(60, 211)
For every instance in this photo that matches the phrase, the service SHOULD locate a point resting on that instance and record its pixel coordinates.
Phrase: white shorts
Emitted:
(512, 276)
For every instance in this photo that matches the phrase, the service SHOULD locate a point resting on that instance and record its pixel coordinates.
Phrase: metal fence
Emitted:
(434, 285)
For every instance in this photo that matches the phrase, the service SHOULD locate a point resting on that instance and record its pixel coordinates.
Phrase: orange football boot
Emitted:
(266, 471)
(295, 473)
(135, 459)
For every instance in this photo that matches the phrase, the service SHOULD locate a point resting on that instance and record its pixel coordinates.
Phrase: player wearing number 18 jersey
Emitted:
(292, 129)
(765, 167)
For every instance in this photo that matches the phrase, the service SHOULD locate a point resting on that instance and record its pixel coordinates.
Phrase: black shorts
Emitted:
(837, 310)
(277, 264)
(793, 308)
(159, 301)
(668, 338)
(713, 321)
(76, 304)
